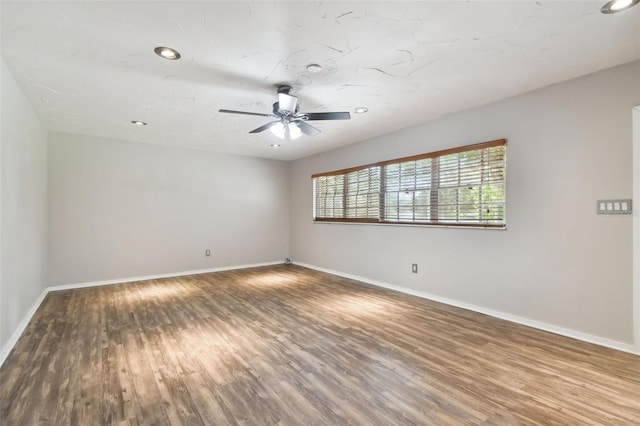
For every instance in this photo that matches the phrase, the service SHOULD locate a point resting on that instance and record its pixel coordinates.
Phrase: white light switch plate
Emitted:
(614, 207)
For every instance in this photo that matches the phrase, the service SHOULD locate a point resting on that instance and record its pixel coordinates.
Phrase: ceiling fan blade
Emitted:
(307, 129)
(265, 127)
(230, 111)
(326, 115)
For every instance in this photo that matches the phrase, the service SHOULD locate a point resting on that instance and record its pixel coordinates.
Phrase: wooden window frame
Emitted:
(434, 197)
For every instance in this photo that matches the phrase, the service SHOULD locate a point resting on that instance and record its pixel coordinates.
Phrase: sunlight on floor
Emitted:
(159, 291)
(361, 306)
(205, 339)
(272, 280)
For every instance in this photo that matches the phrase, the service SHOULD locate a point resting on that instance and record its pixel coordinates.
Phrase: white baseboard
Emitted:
(21, 327)
(27, 318)
(157, 276)
(601, 341)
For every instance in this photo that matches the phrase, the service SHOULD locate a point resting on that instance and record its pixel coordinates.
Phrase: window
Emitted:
(456, 187)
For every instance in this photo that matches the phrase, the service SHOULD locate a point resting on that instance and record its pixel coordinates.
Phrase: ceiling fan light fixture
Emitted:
(615, 6)
(167, 53)
(279, 130)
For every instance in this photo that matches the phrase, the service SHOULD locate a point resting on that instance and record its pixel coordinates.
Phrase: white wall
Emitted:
(23, 210)
(558, 262)
(121, 209)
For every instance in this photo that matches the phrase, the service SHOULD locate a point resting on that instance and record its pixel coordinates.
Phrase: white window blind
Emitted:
(363, 194)
(462, 186)
(329, 195)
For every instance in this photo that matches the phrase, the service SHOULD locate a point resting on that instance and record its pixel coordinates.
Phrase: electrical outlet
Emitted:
(207, 252)
(414, 268)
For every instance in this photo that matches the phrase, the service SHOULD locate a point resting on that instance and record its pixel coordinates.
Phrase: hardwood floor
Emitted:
(288, 345)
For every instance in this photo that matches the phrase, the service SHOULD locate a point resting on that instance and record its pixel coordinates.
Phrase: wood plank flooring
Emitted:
(288, 345)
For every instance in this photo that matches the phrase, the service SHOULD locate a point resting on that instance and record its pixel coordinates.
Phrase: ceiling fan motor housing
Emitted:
(285, 111)
(287, 103)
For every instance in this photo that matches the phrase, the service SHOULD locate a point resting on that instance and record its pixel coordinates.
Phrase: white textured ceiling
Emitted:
(89, 67)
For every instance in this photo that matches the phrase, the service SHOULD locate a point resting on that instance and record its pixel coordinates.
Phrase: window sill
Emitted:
(413, 225)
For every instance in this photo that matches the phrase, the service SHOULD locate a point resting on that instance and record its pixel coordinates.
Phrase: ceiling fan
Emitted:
(291, 123)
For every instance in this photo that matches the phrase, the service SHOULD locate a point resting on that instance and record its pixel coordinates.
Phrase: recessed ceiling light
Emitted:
(167, 53)
(138, 123)
(361, 110)
(615, 6)
(314, 68)
(275, 145)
